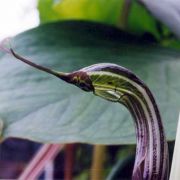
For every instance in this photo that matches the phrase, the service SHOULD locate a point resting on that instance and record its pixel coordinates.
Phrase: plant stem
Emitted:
(175, 172)
(69, 161)
(123, 20)
(99, 152)
(47, 153)
(1, 129)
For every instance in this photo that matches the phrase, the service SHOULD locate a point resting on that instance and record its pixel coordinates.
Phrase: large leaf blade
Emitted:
(37, 106)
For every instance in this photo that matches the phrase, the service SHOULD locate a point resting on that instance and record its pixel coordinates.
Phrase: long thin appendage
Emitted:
(42, 68)
(9, 50)
(4, 48)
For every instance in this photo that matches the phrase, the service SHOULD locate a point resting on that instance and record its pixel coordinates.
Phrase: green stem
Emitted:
(123, 20)
(99, 154)
(1, 129)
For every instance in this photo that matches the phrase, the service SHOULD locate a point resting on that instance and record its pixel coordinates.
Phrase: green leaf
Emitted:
(171, 42)
(94, 10)
(38, 106)
(46, 10)
(140, 21)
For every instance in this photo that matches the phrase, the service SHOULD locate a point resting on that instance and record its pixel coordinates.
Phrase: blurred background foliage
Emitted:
(94, 10)
(130, 15)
